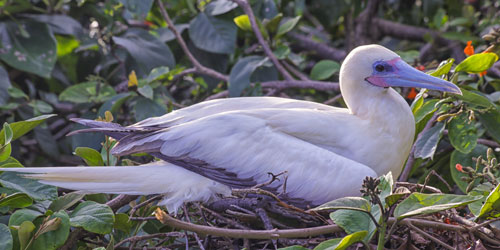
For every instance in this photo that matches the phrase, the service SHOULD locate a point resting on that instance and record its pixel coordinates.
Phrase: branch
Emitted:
(246, 234)
(149, 236)
(321, 50)
(408, 32)
(199, 68)
(248, 10)
(281, 85)
(425, 234)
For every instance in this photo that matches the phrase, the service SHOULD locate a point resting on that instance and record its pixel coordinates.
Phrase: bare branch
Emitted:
(321, 50)
(200, 68)
(248, 10)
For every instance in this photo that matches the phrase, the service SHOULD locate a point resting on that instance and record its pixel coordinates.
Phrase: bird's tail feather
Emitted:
(177, 184)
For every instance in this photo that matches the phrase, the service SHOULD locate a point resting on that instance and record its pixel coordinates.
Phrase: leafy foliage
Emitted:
(121, 60)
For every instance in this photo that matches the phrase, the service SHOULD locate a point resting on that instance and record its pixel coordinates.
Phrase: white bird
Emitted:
(211, 147)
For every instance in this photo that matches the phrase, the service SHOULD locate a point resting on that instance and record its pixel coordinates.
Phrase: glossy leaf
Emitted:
(33, 51)
(122, 222)
(240, 75)
(287, 26)
(59, 24)
(146, 51)
(477, 63)
(54, 239)
(425, 109)
(90, 156)
(33, 188)
(93, 217)
(17, 200)
(66, 201)
(490, 120)
(462, 133)
(23, 215)
(324, 69)
(87, 92)
(243, 22)
(491, 206)
(346, 202)
(23, 127)
(443, 68)
(219, 7)
(427, 142)
(24, 233)
(475, 99)
(341, 244)
(213, 34)
(145, 108)
(419, 203)
(354, 221)
(6, 241)
(137, 10)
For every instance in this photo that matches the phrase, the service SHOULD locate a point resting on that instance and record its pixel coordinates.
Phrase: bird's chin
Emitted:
(377, 81)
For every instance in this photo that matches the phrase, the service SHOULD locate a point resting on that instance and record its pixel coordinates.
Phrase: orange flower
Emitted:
(412, 94)
(483, 73)
(420, 67)
(469, 49)
(459, 167)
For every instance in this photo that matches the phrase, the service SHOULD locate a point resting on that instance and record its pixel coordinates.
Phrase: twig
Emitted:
(333, 99)
(428, 236)
(433, 172)
(248, 10)
(186, 214)
(489, 143)
(411, 158)
(408, 184)
(200, 68)
(149, 236)
(485, 223)
(321, 50)
(248, 234)
(142, 204)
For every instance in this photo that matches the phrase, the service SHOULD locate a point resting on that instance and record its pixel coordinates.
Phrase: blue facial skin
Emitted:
(397, 73)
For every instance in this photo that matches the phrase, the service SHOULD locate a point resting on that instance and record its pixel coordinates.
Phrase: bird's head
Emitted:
(376, 68)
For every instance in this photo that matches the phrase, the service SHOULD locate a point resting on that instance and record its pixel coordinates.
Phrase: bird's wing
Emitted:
(218, 106)
(240, 148)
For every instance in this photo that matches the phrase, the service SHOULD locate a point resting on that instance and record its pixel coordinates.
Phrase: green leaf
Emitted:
(53, 240)
(346, 202)
(475, 99)
(146, 51)
(41, 106)
(427, 142)
(444, 68)
(427, 108)
(146, 91)
(219, 7)
(354, 221)
(462, 133)
(90, 156)
(93, 217)
(273, 24)
(17, 200)
(123, 223)
(477, 63)
(419, 204)
(240, 75)
(294, 248)
(24, 233)
(6, 241)
(23, 127)
(243, 22)
(287, 26)
(114, 103)
(324, 69)
(213, 34)
(341, 244)
(34, 52)
(465, 160)
(5, 152)
(16, 93)
(137, 10)
(23, 215)
(157, 73)
(145, 108)
(4, 86)
(491, 207)
(66, 201)
(87, 92)
(59, 24)
(33, 188)
(490, 120)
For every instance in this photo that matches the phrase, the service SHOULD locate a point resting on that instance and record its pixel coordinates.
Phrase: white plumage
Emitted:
(236, 142)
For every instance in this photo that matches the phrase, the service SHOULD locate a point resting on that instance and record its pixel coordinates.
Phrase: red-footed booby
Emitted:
(211, 147)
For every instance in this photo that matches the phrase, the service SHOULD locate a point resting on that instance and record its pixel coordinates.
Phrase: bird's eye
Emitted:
(379, 68)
